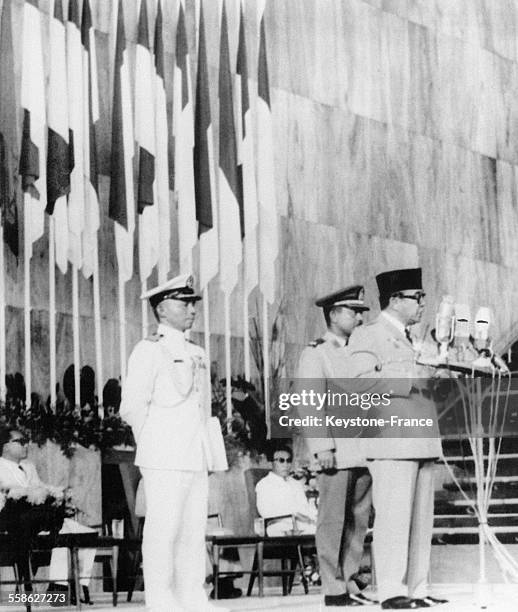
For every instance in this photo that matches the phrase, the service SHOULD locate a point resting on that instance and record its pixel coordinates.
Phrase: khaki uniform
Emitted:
(401, 468)
(345, 493)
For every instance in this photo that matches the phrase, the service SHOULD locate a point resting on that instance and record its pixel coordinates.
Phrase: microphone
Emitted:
(444, 325)
(444, 320)
(481, 330)
(461, 332)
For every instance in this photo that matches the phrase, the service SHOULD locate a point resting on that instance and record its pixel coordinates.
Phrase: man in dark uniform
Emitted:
(344, 483)
(401, 468)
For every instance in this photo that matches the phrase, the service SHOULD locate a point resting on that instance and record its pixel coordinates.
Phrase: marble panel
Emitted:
(291, 36)
(460, 19)
(506, 77)
(363, 33)
(507, 203)
(498, 23)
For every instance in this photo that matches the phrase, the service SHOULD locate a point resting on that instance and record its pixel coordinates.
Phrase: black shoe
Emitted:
(54, 587)
(363, 599)
(430, 602)
(434, 601)
(346, 600)
(226, 589)
(86, 597)
(403, 603)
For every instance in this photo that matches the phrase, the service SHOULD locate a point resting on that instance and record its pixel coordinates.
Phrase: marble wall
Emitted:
(396, 144)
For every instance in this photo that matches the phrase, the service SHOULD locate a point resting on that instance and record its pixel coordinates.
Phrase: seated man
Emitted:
(279, 494)
(17, 472)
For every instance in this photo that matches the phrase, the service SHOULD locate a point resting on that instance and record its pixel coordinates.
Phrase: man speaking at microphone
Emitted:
(166, 400)
(401, 468)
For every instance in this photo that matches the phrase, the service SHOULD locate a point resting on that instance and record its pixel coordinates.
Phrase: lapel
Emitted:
(394, 332)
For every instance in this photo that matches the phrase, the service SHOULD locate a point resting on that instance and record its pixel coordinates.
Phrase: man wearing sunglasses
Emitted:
(278, 494)
(17, 472)
(401, 468)
(344, 482)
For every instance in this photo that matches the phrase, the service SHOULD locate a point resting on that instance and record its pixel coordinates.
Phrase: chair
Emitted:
(288, 549)
(136, 578)
(108, 551)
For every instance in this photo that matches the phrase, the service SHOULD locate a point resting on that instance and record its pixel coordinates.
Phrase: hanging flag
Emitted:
(76, 209)
(246, 165)
(122, 202)
(145, 138)
(58, 154)
(204, 179)
(183, 131)
(32, 153)
(229, 185)
(9, 139)
(161, 156)
(90, 120)
(268, 222)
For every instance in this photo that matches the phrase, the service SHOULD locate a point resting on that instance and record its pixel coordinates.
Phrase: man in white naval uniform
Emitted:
(344, 483)
(166, 400)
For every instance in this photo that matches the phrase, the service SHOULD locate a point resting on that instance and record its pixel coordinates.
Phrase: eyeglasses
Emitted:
(282, 460)
(418, 297)
(21, 441)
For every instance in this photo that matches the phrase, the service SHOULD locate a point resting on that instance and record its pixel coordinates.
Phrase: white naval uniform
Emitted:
(24, 474)
(166, 400)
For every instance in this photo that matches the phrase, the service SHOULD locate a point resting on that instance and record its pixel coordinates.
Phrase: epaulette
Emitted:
(154, 337)
(316, 342)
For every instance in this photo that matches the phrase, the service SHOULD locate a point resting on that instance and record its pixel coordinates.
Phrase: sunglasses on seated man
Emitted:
(21, 441)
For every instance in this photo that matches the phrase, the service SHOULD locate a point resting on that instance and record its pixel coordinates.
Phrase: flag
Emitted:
(246, 166)
(204, 179)
(161, 156)
(9, 142)
(268, 223)
(229, 184)
(122, 203)
(90, 120)
(32, 153)
(76, 122)
(183, 131)
(145, 138)
(58, 154)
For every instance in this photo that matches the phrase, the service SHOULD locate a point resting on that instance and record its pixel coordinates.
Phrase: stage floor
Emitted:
(463, 598)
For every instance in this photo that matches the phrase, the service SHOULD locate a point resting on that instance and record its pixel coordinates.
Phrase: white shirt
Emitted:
(12, 476)
(276, 496)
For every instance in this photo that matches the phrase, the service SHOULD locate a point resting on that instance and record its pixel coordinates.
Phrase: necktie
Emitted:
(407, 334)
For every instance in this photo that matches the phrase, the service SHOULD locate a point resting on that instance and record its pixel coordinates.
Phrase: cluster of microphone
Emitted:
(463, 339)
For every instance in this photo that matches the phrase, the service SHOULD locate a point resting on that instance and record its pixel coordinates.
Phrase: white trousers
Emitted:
(173, 546)
(402, 495)
(58, 570)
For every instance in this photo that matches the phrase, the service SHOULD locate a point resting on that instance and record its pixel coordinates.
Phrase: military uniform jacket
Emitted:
(324, 359)
(383, 353)
(166, 400)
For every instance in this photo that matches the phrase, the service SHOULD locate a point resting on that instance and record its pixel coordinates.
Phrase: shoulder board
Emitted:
(316, 342)
(153, 338)
(191, 341)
